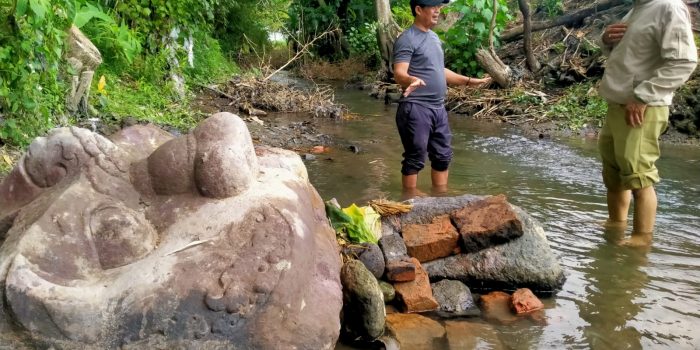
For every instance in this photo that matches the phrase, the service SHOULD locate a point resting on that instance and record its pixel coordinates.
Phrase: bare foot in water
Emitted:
(638, 240)
(410, 193)
(614, 231)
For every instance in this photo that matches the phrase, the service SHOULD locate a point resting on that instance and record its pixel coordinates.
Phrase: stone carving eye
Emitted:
(121, 235)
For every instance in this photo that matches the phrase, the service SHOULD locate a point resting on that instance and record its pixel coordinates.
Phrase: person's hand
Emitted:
(414, 85)
(614, 33)
(634, 113)
(479, 82)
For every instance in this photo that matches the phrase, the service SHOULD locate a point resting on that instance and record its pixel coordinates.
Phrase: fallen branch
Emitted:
(217, 91)
(304, 49)
(515, 32)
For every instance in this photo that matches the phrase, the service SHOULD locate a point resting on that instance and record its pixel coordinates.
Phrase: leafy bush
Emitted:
(32, 33)
(363, 39)
(581, 105)
(552, 8)
(471, 33)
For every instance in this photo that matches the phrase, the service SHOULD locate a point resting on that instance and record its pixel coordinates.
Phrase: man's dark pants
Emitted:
(424, 131)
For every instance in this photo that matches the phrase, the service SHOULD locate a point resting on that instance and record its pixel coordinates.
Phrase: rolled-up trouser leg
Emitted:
(440, 141)
(629, 154)
(414, 129)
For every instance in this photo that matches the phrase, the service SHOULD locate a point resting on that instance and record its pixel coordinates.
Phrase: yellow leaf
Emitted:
(7, 159)
(101, 84)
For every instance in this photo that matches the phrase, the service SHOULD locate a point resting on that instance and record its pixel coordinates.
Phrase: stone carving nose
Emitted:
(217, 159)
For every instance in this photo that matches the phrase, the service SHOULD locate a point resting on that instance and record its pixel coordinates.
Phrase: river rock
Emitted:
(471, 335)
(525, 262)
(496, 307)
(363, 302)
(416, 332)
(142, 238)
(388, 291)
(373, 259)
(455, 299)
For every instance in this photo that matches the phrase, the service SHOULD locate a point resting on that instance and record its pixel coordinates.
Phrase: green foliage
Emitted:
(363, 39)
(552, 8)
(210, 63)
(131, 35)
(580, 106)
(350, 223)
(309, 18)
(471, 33)
(520, 97)
(32, 33)
(401, 10)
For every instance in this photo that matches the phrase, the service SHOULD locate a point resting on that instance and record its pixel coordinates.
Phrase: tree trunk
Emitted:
(515, 32)
(490, 61)
(387, 32)
(532, 62)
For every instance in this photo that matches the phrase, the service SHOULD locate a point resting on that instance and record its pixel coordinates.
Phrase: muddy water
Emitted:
(614, 297)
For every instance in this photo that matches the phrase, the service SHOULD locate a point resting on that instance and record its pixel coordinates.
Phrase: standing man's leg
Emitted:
(440, 150)
(414, 130)
(618, 198)
(635, 153)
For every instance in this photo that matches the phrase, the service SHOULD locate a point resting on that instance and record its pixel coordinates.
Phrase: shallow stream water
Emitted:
(614, 297)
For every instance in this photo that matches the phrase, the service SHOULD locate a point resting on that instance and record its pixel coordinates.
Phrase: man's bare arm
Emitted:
(407, 82)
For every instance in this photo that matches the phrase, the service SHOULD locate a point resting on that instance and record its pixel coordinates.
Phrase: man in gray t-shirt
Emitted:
(421, 118)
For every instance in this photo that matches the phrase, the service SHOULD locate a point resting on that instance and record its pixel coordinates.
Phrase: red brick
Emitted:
(401, 270)
(431, 241)
(486, 223)
(416, 295)
(524, 301)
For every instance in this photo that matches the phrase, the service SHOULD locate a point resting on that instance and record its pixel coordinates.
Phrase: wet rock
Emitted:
(486, 223)
(526, 262)
(495, 306)
(308, 156)
(471, 335)
(455, 299)
(416, 295)
(388, 291)
(401, 270)
(431, 241)
(373, 259)
(416, 332)
(524, 301)
(363, 302)
(392, 246)
(143, 238)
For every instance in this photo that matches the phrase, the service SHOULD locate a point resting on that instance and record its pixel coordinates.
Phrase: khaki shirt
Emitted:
(654, 58)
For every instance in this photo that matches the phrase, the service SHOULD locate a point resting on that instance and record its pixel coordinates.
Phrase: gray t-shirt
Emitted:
(423, 52)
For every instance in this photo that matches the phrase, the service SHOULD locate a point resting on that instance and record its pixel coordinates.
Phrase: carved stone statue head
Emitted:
(140, 239)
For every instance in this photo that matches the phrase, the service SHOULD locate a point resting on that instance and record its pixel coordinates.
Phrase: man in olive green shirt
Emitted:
(652, 53)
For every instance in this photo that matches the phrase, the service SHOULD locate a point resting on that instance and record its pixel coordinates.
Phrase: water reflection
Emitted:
(616, 281)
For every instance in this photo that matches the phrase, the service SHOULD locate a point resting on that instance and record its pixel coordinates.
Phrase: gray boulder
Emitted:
(525, 262)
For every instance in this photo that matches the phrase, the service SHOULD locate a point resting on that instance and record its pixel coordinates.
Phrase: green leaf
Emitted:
(21, 8)
(487, 13)
(39, 8)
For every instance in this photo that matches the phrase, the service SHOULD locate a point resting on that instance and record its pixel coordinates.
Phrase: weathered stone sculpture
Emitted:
(84, 58)
(145, 240)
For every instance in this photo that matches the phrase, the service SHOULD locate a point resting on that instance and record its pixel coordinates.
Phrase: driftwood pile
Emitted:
(254, 96)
